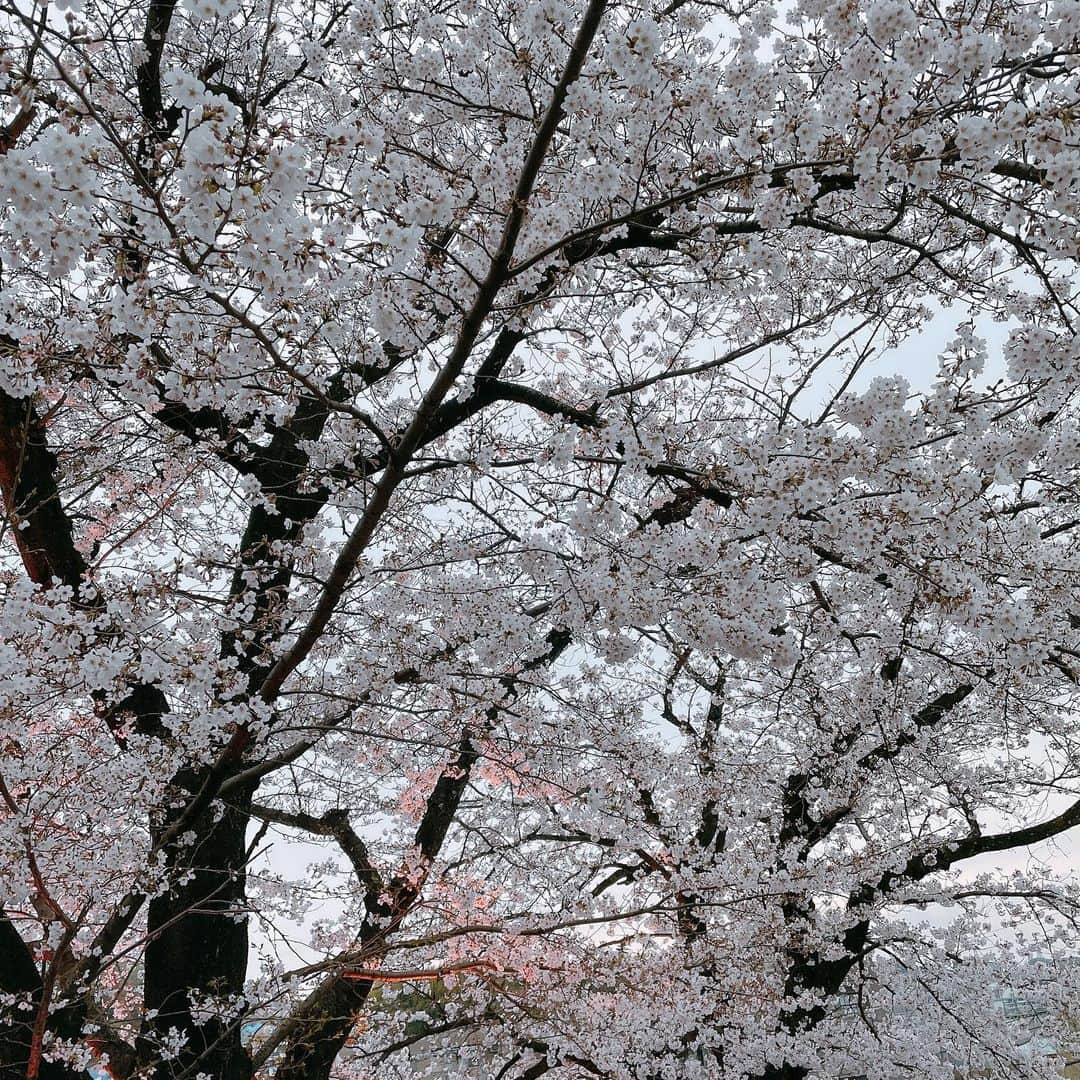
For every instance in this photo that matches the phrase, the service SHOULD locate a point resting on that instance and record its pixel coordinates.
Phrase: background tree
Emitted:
(469, 437)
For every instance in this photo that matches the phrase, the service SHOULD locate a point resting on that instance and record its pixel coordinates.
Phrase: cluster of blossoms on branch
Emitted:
(500, 556)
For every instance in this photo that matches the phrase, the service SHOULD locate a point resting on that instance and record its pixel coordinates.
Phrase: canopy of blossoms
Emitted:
(499, 554)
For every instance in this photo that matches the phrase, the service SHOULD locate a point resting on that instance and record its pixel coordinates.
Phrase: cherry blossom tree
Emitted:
(496, 554)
